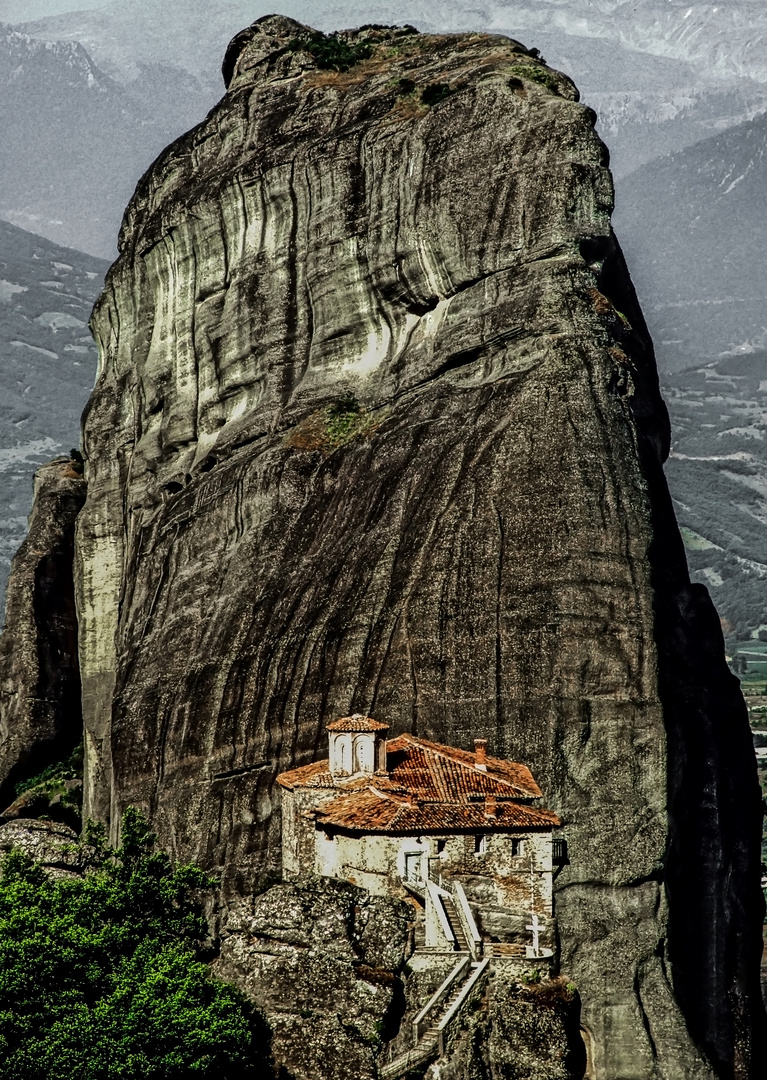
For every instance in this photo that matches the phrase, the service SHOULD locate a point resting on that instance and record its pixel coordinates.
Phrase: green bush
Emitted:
(330, 51)
(344, 421)
(55, 775)
(432, 94)
(540, 75)
(56, 792)
(101, 976)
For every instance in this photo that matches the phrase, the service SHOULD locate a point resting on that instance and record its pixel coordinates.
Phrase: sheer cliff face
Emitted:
(377, 428)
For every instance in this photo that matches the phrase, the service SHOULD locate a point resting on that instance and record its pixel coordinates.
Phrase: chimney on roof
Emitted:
(491, 807)
(480, 754)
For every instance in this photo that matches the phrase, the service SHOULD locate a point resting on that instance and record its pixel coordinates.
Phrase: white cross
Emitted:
(535, 926)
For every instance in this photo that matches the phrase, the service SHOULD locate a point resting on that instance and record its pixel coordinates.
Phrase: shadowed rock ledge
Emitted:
(377, 428)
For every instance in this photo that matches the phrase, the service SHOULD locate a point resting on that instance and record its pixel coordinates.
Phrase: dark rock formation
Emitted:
(322, 961)
(377, 428)
(40, 713)
(523, 1032)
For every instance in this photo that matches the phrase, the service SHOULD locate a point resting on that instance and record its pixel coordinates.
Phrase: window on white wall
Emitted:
(480, 844)
(517, 846)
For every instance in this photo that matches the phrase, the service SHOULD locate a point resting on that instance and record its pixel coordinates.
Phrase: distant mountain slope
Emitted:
(648, 105)
(47, 366)
(659, 76)
(717, 473)
(74, 141)
(694, 226)
(123, 37)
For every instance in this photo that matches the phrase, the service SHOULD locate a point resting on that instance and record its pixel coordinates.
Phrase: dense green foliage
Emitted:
(100, 976)
(58, 773)
(330, 51)
(56, 792)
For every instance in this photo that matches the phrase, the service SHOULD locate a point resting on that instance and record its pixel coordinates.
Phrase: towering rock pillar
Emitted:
(377, 428)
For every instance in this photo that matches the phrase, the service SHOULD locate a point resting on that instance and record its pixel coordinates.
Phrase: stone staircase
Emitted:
(433, 1021)
(461, 944)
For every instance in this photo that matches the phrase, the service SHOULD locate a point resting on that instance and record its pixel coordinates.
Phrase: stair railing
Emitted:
(466, 990)
(406, 1062)
(466, 915)
(420, 1022)
(435, 894)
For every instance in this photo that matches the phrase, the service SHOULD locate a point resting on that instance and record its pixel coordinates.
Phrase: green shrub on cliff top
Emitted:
(56, 774)
(100, 976)
(330, 51)
(540, 75)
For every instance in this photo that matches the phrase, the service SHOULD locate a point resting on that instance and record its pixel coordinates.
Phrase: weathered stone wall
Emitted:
(298, 830)
(497, 878)
(372, 862)
(377, 428)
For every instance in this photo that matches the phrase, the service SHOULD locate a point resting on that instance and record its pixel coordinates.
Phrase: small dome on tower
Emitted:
(357, 745)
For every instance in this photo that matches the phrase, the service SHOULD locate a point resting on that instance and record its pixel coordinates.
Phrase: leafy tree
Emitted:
(101, 976)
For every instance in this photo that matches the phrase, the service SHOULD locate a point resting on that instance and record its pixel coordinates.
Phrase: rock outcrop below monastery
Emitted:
(377, 428)
(322, 961)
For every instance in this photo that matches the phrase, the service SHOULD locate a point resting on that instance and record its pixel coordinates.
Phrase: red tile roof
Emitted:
(378, 812)
(444, 773)
(357, 722)
(428, 787)
(316, 775)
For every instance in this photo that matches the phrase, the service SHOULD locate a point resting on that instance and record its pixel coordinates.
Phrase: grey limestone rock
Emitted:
(321, 960)
(521, 1032)
(377, 428)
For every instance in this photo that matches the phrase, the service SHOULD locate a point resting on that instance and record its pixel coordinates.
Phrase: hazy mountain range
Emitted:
(661, 76)
(88, 99)
(47, 364)
(75, 140)
(718, 474)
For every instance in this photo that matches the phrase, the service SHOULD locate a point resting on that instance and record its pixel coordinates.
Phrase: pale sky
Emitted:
(25, 10)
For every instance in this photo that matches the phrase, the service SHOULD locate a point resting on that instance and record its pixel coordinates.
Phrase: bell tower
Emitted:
(357, 746)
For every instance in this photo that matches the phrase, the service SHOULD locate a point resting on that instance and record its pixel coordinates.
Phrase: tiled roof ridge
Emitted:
(442, 750)
(398, 816)
(311, 769)
(380, 794)
(357, 718)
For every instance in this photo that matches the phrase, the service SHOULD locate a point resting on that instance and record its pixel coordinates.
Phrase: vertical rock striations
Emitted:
(377, 428)
(40, 713)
